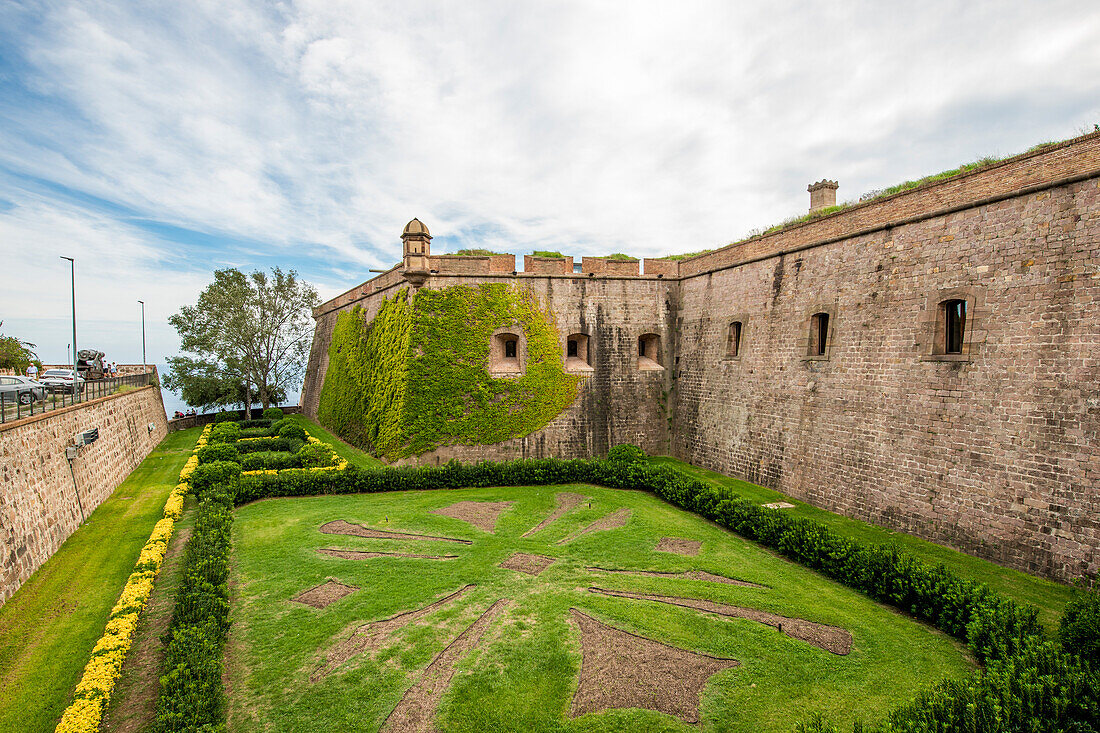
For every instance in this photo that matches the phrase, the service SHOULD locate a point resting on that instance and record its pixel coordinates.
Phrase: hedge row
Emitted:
(191, 696)
(1027, 679)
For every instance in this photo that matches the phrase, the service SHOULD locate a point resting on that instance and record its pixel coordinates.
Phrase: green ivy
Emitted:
(416, 378)
(364, 389)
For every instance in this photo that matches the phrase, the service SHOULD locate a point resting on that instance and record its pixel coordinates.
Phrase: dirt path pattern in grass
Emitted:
(370, 636)
(830, 638)
(366, 555)
(563, 503)
(339, 526)
(322, 595)
(530, 564)
(622, 670)
(689, 575)
(678, 546)
(416, 711)
(481, 514)
(616, 519)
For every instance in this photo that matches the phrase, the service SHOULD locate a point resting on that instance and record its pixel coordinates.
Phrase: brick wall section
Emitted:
(547, 265)
(996, 455)
(1071, 158)
(664, 268)
(995, 452)
(38, 506)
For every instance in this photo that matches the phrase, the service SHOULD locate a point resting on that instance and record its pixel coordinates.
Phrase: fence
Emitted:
(12, 409)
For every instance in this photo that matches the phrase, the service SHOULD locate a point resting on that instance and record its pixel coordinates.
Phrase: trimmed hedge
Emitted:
(218, 452)
(273, 413)
(224, 416)
(1079, 631)
(627, 452)
(264, 423)
(262, 445)
(1029, 685)
(192, 697)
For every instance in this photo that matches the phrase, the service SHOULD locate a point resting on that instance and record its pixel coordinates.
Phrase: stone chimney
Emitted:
(822, 194)
(416, 243)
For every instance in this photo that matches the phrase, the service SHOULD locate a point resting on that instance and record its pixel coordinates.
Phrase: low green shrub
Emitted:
(226, 432)
(192, 697)
(315, 455)
(626, 452)
(258, 433)
(224, 416)
(208, 476)
(270, 461)
(255, 423)
(263, 445)
(273, 413)
(292, 430)
(1079, 630)
(218, 452)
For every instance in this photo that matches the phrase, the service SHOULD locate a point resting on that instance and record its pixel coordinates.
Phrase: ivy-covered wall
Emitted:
(416, 377)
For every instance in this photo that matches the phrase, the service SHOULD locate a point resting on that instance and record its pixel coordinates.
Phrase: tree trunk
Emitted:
(247, 401)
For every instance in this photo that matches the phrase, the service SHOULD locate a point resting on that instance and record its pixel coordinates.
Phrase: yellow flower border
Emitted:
(93, 692)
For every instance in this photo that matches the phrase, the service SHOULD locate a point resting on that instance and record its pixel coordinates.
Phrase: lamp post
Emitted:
(72, 271)
(144, 367)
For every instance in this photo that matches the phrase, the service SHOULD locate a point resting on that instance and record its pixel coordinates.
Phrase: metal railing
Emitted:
(12, 409)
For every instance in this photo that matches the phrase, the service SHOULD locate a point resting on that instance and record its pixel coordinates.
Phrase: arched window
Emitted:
(733, 340)
(576, 353)
(506, 353)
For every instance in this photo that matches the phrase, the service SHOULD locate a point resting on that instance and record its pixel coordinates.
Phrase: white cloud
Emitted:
(318, 128)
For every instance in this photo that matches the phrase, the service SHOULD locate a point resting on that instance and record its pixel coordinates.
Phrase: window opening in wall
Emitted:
(571, 349)
(576, 353)
(819, 334)
(733, 341)
(510, 348)
(504, 355)
(649, 351)
(576, 267)
(954, 325)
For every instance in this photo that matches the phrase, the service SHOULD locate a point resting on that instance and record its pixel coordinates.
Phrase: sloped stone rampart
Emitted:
(38, 503)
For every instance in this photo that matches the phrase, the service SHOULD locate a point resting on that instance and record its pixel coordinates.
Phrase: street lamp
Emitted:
(144, 367)
(72, 271)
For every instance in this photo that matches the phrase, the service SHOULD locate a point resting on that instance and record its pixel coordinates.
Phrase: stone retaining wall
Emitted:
(39, 507)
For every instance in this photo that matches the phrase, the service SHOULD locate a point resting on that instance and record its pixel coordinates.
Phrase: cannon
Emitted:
(89, 364)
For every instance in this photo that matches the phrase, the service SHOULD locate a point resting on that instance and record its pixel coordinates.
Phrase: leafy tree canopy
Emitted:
(15, 353)
(247, 333)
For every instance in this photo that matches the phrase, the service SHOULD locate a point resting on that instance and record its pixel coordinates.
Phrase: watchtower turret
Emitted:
(416, 246)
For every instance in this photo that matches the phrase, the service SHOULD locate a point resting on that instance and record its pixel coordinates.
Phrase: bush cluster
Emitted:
(626, 452)
(263, 423)
(273, 413)
(292, 430)
(225, 416)
(225, 432)
(1079, 631)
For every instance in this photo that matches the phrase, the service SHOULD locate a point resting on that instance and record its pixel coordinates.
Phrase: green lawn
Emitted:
(523, 675)
(345, 451)
(1049, 597)
(48, 628)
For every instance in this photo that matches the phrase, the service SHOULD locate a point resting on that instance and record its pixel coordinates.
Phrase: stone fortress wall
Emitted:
(993, 450)
(43, 498)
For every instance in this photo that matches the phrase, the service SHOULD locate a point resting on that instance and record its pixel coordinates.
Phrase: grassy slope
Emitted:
(344, 450)
(1049, 597)
(48, 628)
(525, 673)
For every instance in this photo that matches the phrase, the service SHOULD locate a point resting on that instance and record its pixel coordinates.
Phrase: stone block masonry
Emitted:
(38, 504)
(815, 359)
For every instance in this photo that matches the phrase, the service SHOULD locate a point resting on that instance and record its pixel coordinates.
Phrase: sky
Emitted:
(157, 142)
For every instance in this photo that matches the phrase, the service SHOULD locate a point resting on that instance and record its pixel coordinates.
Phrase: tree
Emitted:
(251, 331)
(16, 354)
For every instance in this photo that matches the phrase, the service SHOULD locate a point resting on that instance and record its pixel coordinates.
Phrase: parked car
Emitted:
(24, 389)
(60, 380)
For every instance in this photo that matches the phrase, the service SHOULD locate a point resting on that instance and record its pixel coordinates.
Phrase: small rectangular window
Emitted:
(510, 349)
(641, 347)
(733, 343)
(819, 334)
(571, 349)
(954, 325)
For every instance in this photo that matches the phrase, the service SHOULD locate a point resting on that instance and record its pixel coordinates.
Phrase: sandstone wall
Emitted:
(38, 504)
(995, 453)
